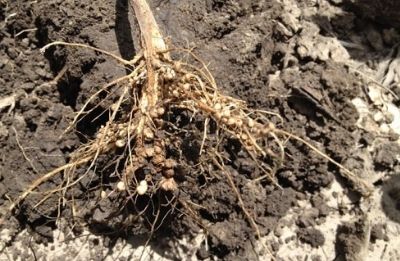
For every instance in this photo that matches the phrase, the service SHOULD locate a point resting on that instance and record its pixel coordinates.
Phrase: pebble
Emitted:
(278, 231)
(41, 72)
(378, 117)
(25, 42)
(28, 86)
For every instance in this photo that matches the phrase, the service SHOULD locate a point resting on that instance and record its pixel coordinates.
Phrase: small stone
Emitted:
(389, 117)
(316, 258)
(25, 42)
(300, 196)
(275, 246)
(41, 72)
(378, 233)
(304, 222)
(378, 117)
(320, 221)
(288, 239)
(278, 232)
(302, 51)
(311, 236)
(29, 86)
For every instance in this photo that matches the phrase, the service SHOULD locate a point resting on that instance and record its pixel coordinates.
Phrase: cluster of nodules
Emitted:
(176, 82)
(241, 124)
(149, 156)
(116, 135)
(147, 152)
(224, 110)
(112, 136)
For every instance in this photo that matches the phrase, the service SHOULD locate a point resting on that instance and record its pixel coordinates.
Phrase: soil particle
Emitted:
(391, 197)
(227, 239)
(316, 258)
(279, 202)
(311, 236)
(351, 239)
(319, 202)
(378, 232)
(278, 231)
(288, 239)
(386, 155)
(202, 253)
(274, 246)
(308, 218)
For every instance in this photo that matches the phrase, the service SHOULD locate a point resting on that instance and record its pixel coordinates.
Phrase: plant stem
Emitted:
(153, 39)
(153, 43)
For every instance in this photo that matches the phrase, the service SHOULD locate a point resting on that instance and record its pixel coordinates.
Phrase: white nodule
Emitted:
(121, 186)
(142, 187)
(120, 143)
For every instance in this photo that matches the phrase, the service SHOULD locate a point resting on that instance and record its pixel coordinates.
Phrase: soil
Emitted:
(255, 52)
(351, 239)
(311, 236)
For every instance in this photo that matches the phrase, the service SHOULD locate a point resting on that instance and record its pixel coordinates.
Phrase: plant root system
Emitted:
(142, 137)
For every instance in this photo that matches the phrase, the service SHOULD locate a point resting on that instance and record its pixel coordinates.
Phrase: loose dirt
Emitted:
(279, 56)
